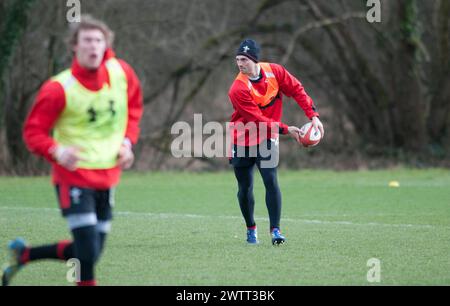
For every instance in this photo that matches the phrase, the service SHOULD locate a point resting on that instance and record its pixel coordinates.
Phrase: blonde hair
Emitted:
(88, 22)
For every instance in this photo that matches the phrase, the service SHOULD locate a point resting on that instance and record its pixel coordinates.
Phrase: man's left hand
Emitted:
(317, 124)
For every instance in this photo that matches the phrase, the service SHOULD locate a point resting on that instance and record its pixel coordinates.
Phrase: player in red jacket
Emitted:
(94, 109)
(256, 95)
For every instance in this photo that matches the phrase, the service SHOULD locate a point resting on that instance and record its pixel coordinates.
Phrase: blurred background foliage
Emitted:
(382, 89)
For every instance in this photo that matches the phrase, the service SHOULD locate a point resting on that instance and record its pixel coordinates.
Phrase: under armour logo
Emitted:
(111, 108)
(246, 48)
(92, 114)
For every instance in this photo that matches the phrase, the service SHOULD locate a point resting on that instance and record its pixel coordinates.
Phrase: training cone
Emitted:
(394, 184)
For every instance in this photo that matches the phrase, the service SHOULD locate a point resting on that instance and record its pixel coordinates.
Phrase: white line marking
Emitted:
(195, 216)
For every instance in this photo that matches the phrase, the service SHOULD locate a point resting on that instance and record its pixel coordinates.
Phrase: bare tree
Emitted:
(382, 89)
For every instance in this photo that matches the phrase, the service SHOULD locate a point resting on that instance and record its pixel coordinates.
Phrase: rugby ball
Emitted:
(309, 137)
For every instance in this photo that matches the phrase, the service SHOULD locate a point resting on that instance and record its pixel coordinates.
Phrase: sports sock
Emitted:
(62, 250)
(87, 250)
(89, 283)
(102, 239)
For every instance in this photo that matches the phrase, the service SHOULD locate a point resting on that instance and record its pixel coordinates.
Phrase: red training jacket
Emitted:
(50, 103)
(246, 110)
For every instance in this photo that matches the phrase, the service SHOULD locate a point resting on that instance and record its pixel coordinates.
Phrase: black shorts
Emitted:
(75, 200)
(266, 156)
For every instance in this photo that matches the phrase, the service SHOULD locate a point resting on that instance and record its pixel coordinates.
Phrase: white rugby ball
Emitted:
(309, 136)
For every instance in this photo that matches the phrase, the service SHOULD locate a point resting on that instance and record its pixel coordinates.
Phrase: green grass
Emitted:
(186, 229)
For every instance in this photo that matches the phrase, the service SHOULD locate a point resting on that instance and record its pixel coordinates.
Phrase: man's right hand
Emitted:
(68, 157)
(294, 132)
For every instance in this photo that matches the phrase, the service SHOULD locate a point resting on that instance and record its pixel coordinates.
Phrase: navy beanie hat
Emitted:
(250, 49)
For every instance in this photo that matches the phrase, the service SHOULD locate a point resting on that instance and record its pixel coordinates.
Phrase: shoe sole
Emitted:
(278, 241)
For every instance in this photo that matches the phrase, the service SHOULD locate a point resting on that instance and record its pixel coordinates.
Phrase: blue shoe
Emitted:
(15, 248)
(252, 236)
(277, 238)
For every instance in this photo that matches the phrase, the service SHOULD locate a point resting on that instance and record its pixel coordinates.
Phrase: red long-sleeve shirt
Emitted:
(246, 110)
(50, 103)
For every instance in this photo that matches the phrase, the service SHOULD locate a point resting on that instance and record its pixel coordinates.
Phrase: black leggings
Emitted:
(244, 176)
(86, 246)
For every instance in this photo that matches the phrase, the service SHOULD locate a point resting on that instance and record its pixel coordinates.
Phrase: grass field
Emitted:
(186, 229)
